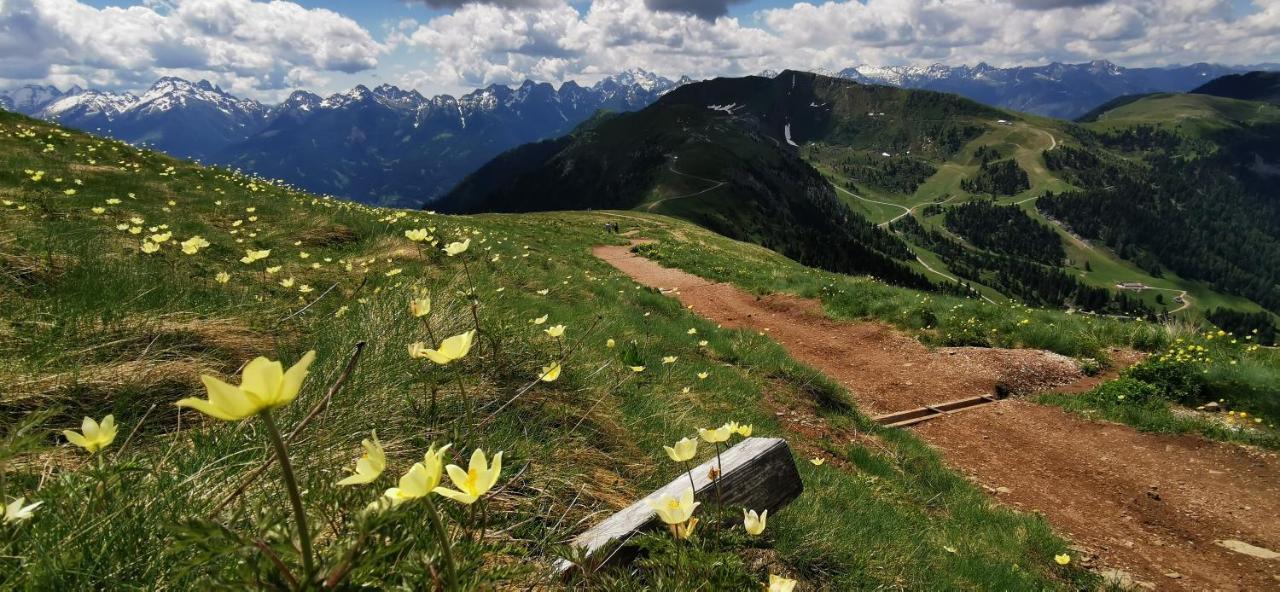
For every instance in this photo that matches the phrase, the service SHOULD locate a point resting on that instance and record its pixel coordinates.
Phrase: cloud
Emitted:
(498, 3)
(1051, 4)
(241, 43)
(704, 9)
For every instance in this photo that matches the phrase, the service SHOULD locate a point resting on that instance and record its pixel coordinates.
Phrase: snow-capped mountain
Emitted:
(1056, 90)
(394, 146)
(385, 145)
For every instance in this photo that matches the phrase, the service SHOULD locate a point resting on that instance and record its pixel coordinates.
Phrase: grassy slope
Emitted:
(94, 326)
(1024, 140)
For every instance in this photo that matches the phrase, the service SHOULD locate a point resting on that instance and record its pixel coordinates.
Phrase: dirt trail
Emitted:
(1151, 506)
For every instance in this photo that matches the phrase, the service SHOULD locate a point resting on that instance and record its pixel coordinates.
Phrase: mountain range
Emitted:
(392, 146)
(1064, 91)
(384, 145)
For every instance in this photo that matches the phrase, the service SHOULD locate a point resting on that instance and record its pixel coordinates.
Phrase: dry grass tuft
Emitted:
(328, 235)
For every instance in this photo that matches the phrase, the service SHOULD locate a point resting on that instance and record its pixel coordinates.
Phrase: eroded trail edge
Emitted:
(1156, 507)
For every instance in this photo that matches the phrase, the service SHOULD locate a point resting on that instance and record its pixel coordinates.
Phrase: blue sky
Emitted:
(266, 49)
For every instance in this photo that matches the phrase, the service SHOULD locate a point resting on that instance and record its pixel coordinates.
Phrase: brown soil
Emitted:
(1152, 506)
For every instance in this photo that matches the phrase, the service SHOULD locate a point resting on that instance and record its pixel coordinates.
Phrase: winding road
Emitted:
(718, 184)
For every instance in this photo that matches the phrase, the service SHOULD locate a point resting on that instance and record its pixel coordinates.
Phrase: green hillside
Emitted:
(128, 276)
(717, 153)
(113, 306)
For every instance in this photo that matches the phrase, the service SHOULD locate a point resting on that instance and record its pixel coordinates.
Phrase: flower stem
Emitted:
(719, 497)
(446, 547)
(457, 374)
(291, 484)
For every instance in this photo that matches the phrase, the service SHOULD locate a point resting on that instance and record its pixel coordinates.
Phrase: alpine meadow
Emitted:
(629, 295)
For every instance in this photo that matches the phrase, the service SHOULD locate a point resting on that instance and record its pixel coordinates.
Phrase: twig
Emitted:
(315, 410)
(535, 381)
(129, 439)
(284, 569)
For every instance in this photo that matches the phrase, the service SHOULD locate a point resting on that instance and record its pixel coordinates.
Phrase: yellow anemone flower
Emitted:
(540, 320)
(703, 375)
(817, 462)
(452, 348)
(684, 531)
(778, 583)
(555, 330)
(610, 343)
(550, 373)
(264, 384)
(636, 368)
(422, 477)
(474, 482)
(675, 510)
(684, 450)
(420, 307)
(222, 277)
(669, 360)
(149, 247)
(93, 436)
(15, 512)
(744, 430)
(1062, 559)
(715, 435)
(457, 248)
(754, 523)
(371, 463)
(417, 235)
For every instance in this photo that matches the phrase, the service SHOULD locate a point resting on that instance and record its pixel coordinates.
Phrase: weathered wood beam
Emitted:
(759, 474)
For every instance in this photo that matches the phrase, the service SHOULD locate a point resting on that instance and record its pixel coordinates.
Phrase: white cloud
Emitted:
(247, 45)
(482, 44)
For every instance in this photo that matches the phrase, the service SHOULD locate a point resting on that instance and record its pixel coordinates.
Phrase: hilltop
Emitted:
(1249, 86)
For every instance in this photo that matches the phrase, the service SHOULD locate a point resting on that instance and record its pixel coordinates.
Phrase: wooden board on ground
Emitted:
(759, 474)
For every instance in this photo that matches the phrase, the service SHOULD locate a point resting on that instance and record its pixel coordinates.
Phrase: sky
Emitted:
(266, 49)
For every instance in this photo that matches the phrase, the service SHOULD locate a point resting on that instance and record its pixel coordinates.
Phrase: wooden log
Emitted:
(759, 474)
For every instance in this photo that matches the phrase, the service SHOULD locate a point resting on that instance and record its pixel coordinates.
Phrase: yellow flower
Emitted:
(98, 210)
(684, 531)
(287, 282)
(15, 512)
(457, 248)
(636, 368)
(675, 510)
(193, 245)
(474, 482)
(669, 360)
(716, 435)
(754, 523)
(416, 236)
(452, 348)
(305, 289)
(370, 464)
(703, 375)
(744, 430)
(610, 343)
(778, 583)
(420, 307)
(684, 450)
(264, 384)
(692, 331)
(161, 237)
(422, 477)
(251, 255)
(550, 373)
(817, 462)
(555, 330)
(702, 343)
(149, 247)
(540, 320)
(222, 277)
(93, 436)
(1062, 559)
(274, 268)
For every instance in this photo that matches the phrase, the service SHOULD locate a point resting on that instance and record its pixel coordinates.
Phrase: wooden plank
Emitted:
(759, 474)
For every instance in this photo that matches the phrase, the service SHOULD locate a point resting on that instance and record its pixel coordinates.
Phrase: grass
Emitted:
(92, 325)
